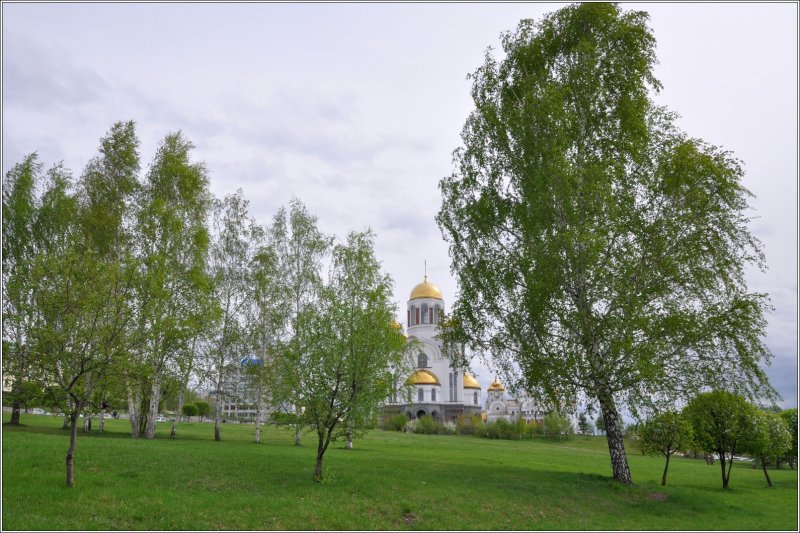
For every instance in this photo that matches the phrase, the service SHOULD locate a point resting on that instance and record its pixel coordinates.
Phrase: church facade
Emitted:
(438, 389)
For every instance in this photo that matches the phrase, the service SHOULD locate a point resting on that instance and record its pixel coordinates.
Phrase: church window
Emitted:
(476, 398)
(433, 395)
(409, 317)
(420, 395)
(424, 313)
(430, 315)
(422, 360)
(416, 315)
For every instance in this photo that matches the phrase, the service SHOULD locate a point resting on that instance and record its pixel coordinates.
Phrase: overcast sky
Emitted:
(356, 109)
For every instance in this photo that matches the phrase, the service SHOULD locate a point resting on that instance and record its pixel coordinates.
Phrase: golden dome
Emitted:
(470, 382)
(426, 289)
(423, 377)
(496, 386)
(397, 325)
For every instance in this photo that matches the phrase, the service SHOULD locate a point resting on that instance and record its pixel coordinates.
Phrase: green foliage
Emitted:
(426, 425)
(191, 409)
(203, 408)
(396, 423)
(284, 419)
(345, 349)
(556, 426)
(789, 417)
(666, 434)
(770, 439)
(600, 423)
(586, 223)
(724, 424)
(584, 426)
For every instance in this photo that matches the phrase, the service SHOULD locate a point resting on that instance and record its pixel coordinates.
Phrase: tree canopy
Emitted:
(600, 251)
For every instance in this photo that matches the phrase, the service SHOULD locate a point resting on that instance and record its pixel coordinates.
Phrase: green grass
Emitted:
(390, 481)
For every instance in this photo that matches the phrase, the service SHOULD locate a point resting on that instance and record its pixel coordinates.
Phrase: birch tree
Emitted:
(81, 307)
(233, 247)
(346, 346)
(19, 247)
(301, 249)
(600, 251)
(173, 294)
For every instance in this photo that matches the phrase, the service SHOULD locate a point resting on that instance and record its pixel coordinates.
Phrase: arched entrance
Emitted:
(421, 413)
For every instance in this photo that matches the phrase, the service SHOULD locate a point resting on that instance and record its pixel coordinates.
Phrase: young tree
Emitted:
(600, 424)
(203, 409)
(665, 434)
(599, 249)
(583, 424)
(770, 440)
(300, 249)
(346, 346)
(789, 417)
(81, 307)
(724, 424)
(234, 243)
(190, 410)
(19, 248)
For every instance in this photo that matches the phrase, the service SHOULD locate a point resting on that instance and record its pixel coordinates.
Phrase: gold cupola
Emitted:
(423, 377)
(496, 386)
(426, 289)
(470, 382)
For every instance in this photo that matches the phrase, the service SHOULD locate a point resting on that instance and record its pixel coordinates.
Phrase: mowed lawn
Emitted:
(389, 481)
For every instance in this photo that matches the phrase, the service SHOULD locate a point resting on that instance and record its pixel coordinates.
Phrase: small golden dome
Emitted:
(423, 377)
(426, 289)
(470, 382)
(496, 386)
(397, 325)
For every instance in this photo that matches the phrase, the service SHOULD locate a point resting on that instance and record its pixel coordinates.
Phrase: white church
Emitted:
(438, 389)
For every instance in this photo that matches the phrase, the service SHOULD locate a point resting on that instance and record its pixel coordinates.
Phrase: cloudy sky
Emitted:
(356, 109)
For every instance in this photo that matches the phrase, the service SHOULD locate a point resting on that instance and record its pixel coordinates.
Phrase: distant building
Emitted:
(438, 389)
(240, 394)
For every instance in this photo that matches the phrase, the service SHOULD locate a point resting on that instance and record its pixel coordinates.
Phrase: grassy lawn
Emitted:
(390, 481)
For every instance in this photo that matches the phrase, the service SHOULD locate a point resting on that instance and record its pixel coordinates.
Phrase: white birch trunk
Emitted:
(177, 417)
(155, 396)
(102, 424)
(134, 401)
(218, 411)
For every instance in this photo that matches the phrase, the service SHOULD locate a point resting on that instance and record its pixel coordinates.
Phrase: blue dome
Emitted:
(251, 360)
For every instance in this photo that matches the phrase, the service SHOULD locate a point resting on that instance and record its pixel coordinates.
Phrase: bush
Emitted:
(426, 425)
(469, 425)
(395, 423)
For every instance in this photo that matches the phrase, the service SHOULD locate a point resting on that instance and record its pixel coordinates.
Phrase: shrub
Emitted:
(395, 423)
(428, 426)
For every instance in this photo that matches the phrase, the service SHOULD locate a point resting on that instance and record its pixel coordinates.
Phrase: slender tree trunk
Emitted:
(87, 423)
(134, 403)
(102, 425)
(259, 409)
(152, 413)
(180, 406)
(73, 437)
(297, 436)
(616, 442)
(218, 410)
(321, 447)
(764, 467)
(666, 466)
(724, 476)
(348, 444)
(65, 425)
(177, 418)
